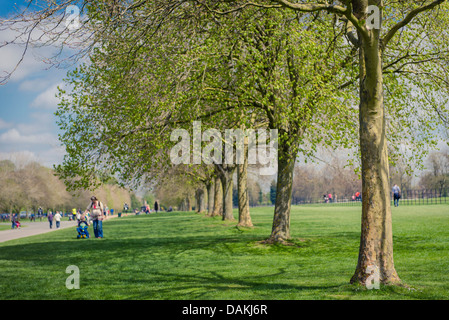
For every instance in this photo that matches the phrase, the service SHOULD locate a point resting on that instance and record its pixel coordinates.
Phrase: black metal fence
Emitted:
(424, 196)
(408, 197)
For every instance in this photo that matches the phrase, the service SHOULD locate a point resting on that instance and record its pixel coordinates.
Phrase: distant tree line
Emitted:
(437, 175)
(26, 187)
(311, 183)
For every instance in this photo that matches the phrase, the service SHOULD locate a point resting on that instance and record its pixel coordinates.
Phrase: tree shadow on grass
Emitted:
(215, 285)
(64, 246)
(129, 269)
(189, 267)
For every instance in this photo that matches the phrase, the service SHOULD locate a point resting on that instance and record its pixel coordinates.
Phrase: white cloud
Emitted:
(50, 45)
(33, 135)
(42, 147)
(52, 156)
(46, 158)
(47, 99)
(43, 118)
(35, 85)
(14, 137)
(11, 55)
(41, 122)
(4, 124)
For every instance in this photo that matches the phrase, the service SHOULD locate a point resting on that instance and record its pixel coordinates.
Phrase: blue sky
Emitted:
(28, 130)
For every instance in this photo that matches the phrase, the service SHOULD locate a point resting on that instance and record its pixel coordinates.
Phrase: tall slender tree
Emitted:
(376, 244)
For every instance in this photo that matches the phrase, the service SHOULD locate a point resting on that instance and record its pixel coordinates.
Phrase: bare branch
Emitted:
(331, 8)
(412, 14)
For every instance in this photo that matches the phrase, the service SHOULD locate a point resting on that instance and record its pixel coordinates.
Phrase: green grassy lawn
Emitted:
(190, 256)
(5, 226)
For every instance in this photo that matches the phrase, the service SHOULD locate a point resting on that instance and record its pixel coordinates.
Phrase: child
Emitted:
(83, 225)
(17, 224)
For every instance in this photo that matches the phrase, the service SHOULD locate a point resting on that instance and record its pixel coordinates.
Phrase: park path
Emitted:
(31, 229)
(34, 228)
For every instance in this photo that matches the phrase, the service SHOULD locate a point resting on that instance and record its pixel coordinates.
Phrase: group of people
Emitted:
(396, 192)
(15, 223)
(146, 208)
(328, 198)
(357, 196)
(94, 214)
(56, 217)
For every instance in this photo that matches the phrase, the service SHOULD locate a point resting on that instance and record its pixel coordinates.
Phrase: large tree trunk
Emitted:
(210, 186)
(226, 183)
(189, 204)
(281, 221)
(200, 197)
(181, 205)
(218, 198)
(185, 204)
(242, 186)
(376, 242)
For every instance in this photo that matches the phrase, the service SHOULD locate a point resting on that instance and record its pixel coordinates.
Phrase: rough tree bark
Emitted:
(200, 197)
(186, 205)
(218, 198)
(281, 221)
(242, 186)
(376, 242)
(226, 183)
(210, 186)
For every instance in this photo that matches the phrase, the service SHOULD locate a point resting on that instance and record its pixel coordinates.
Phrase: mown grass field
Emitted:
(188, 256)
(4, 226)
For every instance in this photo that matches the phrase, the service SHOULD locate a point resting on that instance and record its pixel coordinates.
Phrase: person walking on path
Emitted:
(396, 195)
(13, 220)
(58, 219)
(40, 213)
(156, 206)
(96, 212)
(50, 219)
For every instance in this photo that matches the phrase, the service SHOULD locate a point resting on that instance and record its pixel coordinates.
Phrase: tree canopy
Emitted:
(307, 69)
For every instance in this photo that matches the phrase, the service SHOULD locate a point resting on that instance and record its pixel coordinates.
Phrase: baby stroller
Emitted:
(83, 233)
